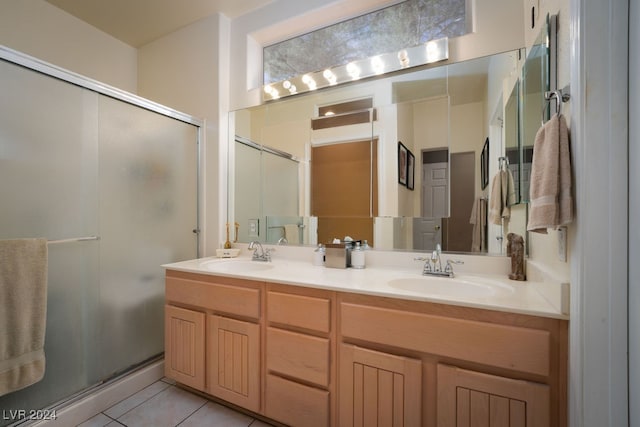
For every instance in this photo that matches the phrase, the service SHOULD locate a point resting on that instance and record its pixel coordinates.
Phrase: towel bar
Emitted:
(560, 95)
(76, 239)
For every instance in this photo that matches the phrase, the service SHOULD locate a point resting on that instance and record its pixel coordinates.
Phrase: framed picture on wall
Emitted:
(411, 166)
(402, 163)
(484, 165)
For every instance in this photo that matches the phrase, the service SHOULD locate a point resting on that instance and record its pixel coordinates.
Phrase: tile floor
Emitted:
(162, 404)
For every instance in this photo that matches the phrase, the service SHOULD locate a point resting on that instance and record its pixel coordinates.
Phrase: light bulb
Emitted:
(377, 64)
(433, 52)
(403, 57)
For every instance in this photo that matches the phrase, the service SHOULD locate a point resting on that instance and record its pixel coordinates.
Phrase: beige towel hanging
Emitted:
(479, 220)
(551, 202)
(503, 196)
(292, 233)
(23, 312)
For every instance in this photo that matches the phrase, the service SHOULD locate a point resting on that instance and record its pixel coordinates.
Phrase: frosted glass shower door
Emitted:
(48, 188)
(148, 211)
(73, 164)
(280, 185)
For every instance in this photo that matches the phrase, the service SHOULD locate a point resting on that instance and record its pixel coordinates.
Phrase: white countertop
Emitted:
(504, 294)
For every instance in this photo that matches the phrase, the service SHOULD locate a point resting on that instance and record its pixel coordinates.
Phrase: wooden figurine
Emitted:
(515, 249)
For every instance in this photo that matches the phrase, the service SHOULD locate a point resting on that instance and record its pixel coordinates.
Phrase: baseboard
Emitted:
(105, 396)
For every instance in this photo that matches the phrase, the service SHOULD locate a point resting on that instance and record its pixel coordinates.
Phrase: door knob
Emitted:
(437, 227)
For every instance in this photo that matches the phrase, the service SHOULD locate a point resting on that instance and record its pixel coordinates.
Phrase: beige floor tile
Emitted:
(166, 409)
(136, 399)
(213, 414)
(99, 420)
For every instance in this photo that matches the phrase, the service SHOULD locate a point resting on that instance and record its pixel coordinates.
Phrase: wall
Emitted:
(41, 30)
(185, 70)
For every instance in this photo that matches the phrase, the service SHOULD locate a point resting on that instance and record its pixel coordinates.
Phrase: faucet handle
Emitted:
(427, 265)
(449, 267)
(267, 253)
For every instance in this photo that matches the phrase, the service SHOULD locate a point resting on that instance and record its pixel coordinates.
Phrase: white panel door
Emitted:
(435, 190)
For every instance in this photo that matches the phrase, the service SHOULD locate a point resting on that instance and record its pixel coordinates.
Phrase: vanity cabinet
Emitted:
(318, 358)
(213, 336)
(300, 346)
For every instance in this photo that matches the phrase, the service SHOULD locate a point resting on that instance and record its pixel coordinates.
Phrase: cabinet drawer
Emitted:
(299, 356)
(296, 404)
(231, 299)
(516, 348)
(300, 311)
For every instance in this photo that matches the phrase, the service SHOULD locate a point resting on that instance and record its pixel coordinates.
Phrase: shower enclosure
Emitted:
(115, 178)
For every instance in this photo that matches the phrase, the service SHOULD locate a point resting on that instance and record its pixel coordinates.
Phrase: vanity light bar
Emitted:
(430, 52)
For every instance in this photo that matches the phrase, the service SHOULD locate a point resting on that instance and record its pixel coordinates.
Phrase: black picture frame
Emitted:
(411, 166)
(402, 163)
(484, 165)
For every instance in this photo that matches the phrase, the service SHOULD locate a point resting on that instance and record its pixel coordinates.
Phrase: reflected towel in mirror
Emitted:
(502, 197)
(292, 233)
(479, 220)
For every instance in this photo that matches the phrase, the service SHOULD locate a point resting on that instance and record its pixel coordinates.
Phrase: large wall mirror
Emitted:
(404, 161)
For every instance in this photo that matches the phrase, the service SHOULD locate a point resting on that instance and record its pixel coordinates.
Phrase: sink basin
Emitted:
(454, 287)
(237, 266)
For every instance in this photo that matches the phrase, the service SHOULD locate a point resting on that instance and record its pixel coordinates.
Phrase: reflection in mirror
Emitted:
(442, 115)
(512, 141)
(535, 78)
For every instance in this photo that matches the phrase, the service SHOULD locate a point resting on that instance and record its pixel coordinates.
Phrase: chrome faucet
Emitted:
(435, 258)
(433, 265)
(263, 255)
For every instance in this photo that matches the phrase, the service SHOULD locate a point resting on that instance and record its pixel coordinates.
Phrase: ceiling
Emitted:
(138, 22)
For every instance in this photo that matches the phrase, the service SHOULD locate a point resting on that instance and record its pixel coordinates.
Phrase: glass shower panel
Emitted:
(247, 209)
(48, 188)
(280, 197)
(148, 211)
(280, 181)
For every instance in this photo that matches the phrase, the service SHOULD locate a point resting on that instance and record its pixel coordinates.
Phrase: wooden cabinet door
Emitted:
(233, 361)
(473, 399)
(184, 346)
(378, 389)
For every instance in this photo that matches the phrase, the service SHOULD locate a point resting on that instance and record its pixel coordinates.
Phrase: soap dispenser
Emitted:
(357, 256)
(318, 255)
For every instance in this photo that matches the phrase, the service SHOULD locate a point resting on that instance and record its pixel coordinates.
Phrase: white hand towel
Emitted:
(551, 203)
